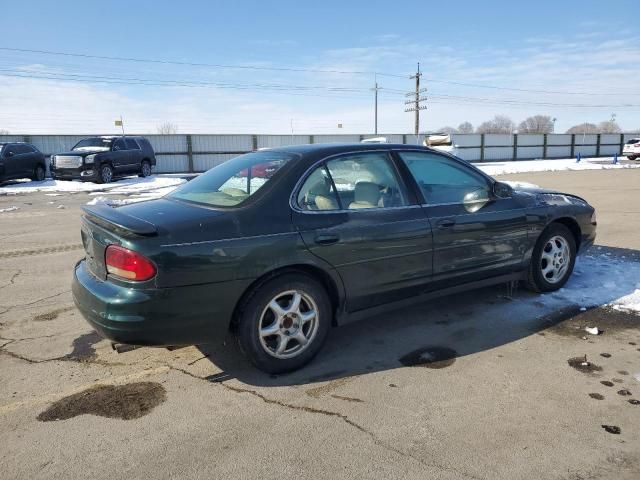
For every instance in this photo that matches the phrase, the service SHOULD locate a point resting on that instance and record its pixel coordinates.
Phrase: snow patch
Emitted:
(522, 166)
(125, 186)
(9, 209)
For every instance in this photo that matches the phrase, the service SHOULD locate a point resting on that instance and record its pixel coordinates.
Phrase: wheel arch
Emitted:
(573, 226)
(313, 271)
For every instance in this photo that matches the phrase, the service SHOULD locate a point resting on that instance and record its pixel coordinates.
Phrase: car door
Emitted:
(29, 160)
(354, 212)
(12, 157)
(119, 155)
(475, 233)
(134, 155)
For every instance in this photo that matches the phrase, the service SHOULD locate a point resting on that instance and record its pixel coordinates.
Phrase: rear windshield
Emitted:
(95, 143)
(633, 140)
(234, 181)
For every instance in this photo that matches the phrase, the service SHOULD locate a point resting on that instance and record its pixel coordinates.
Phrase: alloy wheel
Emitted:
(288, 324)
(555, 259)
(107, 174)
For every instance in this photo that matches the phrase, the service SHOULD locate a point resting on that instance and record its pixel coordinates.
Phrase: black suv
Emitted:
(21, 160)
(100, 159)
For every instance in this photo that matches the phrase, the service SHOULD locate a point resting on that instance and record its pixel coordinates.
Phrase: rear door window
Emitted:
(318, 192)
(132, 144)
(367, 180)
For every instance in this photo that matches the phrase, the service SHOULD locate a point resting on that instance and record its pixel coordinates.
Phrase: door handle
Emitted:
(326, 239)
(446, 223)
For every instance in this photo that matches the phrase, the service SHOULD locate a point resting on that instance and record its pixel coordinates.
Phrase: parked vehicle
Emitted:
(632, 149)
(101, 159)
(440, 141)
(21, 160)
(337, 233)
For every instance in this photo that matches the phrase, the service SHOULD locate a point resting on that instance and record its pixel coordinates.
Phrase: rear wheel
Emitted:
(145, 169)
(105, 175)
(39, 173)
(284, 323)
(631, 157)
(553, 259)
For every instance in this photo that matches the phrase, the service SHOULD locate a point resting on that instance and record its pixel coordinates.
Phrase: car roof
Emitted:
(335, 148)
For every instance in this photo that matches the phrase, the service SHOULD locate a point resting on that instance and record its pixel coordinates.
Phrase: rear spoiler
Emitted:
(110, 217)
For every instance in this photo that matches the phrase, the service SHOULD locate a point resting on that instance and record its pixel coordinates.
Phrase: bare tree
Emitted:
(465, 127)
(610, 126)
(583, 128)
(536, 124)
(447, 130)
(167, 128)
(499, 124)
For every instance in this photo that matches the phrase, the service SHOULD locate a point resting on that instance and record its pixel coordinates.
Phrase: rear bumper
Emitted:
(168, 316)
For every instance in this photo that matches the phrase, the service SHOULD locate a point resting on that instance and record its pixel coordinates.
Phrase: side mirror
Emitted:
(476, 199)
(502, 190)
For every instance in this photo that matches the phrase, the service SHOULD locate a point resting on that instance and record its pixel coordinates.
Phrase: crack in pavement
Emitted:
(12, 280)
(329, 413)
(12, 307)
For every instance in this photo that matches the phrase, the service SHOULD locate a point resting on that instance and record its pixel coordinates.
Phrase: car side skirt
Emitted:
(344, 317)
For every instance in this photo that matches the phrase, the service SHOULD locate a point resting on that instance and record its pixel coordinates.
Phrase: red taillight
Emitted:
(128, 264)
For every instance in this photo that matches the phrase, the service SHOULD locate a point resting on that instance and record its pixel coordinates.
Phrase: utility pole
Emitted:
(416, 107)
(375, 109)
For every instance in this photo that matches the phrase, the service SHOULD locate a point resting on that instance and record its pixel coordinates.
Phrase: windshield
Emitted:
(95, 143)
(232, 182)
(633, 141)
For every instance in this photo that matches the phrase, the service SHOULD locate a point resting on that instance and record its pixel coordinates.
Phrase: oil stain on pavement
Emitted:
(126, 402)
(430, 357)
(582, 365)
(83, 348)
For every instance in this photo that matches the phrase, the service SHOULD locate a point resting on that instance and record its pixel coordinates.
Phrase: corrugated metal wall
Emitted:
(198, 153)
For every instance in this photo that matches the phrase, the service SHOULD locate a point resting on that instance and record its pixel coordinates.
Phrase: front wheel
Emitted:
(631, 157)
(553, 259)
(284, 323)
(105, 174)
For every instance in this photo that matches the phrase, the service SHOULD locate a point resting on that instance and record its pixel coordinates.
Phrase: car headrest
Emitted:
(367, 192)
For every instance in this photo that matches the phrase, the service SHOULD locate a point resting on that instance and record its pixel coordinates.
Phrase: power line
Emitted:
(494, 87)
(196, 64)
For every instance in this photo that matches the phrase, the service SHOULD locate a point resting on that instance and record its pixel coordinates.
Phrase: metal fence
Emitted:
(197, 153)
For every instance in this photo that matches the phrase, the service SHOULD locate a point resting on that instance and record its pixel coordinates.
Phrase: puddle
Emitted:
(624, 392)
(83, 348)
(634, 401)
(607, 383)
(126, 402)
(52, 315)
(430, 357)
(605, 355)
(571, 322)
(577, 363)
(596, 396)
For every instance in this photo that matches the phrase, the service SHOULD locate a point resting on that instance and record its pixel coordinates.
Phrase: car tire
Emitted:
(553, 259)
(272, 338)
(105, 174)
(145, 169)
(39, 173)
(631, 157)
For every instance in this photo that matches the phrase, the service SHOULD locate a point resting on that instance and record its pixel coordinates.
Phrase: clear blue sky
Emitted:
(567, 46)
